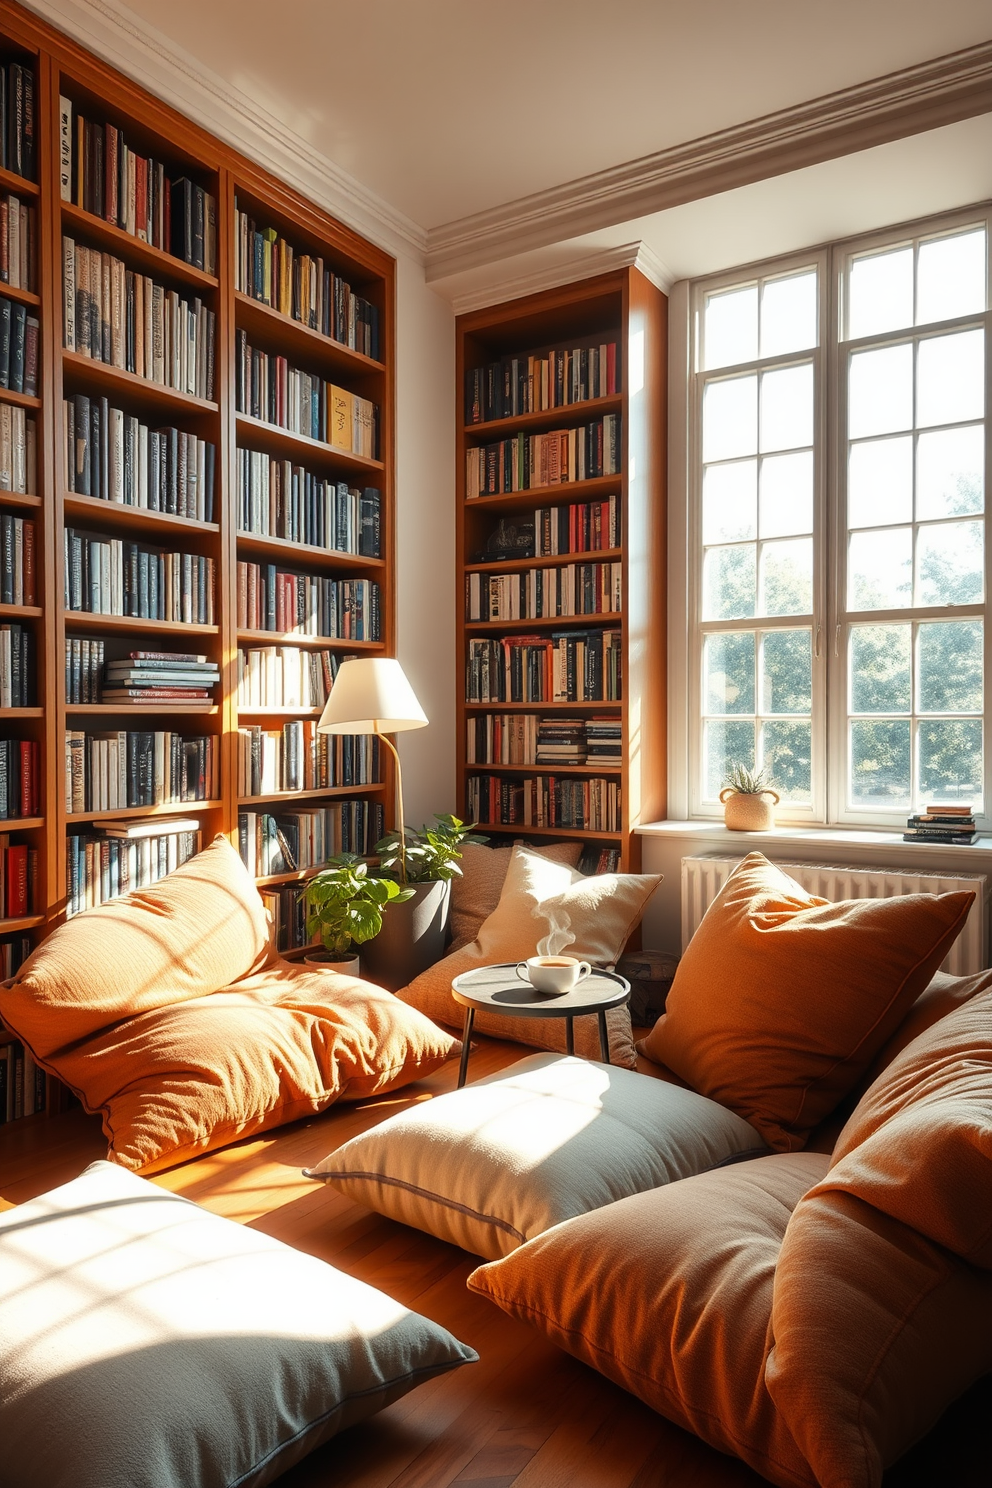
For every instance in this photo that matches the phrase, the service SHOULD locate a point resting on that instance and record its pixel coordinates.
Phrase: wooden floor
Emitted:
(525, 1416)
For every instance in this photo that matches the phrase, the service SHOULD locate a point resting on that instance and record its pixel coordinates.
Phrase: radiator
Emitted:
(703, 877)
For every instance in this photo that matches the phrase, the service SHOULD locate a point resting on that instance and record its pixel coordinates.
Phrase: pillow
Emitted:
(591, 919)
(509, 1156)
(199, 929)
(144, 1341)
(475, 891)
(781, 1000)
(668, 1293)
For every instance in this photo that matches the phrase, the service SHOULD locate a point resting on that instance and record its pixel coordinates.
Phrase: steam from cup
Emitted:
(558, 938)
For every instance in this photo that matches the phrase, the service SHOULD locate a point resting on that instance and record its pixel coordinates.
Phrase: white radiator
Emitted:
(703, 877)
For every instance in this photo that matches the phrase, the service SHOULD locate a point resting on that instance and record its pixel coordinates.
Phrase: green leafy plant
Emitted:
(746, 782)
(431, 854)
(345, 904)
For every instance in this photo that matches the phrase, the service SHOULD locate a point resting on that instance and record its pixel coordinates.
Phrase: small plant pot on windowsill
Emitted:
(747, 812)
(319, 960)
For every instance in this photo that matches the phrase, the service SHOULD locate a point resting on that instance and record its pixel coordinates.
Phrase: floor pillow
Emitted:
(509, 1156)
(145, 1341)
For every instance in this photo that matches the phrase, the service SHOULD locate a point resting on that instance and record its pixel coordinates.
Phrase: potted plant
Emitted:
(345, 905)
(746, 807)
(413, 937)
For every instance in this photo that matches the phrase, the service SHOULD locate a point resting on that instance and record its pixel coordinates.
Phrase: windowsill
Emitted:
(705, 833)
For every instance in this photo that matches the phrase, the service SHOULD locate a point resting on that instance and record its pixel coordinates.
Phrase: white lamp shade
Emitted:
(371, 695)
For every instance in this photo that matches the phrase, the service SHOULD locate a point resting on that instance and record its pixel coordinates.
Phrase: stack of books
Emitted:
(561, 741)
(165, 677)
(942, 824)
(604, 740)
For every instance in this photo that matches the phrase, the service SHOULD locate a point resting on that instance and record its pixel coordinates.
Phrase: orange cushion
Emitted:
(781, 1000)
(668, 1293)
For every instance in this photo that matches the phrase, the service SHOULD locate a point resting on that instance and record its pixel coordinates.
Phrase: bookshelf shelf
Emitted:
(245, 711)
(560, 493)
(284, 638)
(313, 453)
(23, 922)
(116, 514)
(520, 829)
(127, 625)
(142, 710)
(21, 612)
(312, 795)
(19, 185)
(262, 322)
(521, 565)
(544, 418)
(144, 256)
(23, 296)
(613, 705)
(19, 400)
(16, 713)
(272, 880)
(610, 769)
(16, 498)
(554, 622)
(279, 549)
(115, 383)
(170, 808)
(20, 823)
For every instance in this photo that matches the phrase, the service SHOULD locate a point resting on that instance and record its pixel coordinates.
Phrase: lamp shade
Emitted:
(371, 695)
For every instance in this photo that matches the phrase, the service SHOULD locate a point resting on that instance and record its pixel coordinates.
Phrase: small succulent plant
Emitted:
(746, 782)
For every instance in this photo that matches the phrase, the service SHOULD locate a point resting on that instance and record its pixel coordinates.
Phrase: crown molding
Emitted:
(562, 271)
(942, 91)
(144, 54)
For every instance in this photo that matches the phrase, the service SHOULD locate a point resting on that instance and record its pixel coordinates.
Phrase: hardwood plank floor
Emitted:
(527, 1415)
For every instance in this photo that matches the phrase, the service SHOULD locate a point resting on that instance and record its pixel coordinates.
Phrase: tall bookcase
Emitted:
(627, 401)
(64, 71)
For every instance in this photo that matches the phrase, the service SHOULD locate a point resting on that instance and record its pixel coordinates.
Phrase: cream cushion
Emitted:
(593, 915)
(509, 1156)
(144, 1342)
(475, 891)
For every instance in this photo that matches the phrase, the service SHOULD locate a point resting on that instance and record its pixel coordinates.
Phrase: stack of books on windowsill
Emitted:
(942, 824)
(159, 677)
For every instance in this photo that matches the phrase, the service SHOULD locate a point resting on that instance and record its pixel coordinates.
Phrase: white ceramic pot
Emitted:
(323, 961)
(749, 813)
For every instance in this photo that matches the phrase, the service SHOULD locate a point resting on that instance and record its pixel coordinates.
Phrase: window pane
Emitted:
(880, 482)
(880, 763)
(950, 760)
(949, 559)
(950, 667)
(950, 378)
(786, 755)
(730, 328)
(788, 314)
(730, 418)
(786, 577)
(880, 668)
(787, 408)
(729, 583)
(880, 569)
(950, 472)
(880, 293)
(880, 396)
(951, 277)
(786, 494)
(786, 672)
(725, 745)
(728, 664)
(730, 501)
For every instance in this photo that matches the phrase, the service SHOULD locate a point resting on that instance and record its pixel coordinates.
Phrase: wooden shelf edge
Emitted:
(261, 429)
(20, 498)
(502, 707)
(19, 400)
(285, 797)
(246, 307)
(599, 485)
(544, 417)
(22, 922)
(522, 830)
(137, 249)
(304, 553)
(169, 808)
(15, 292)
(21, 612)
(592, 771)
(124, 514)
(81, 619)
(20, 823)
(607, 618)
(280, 638)
(11, 181)
(130, 383)
(105, 710)
(496, 566)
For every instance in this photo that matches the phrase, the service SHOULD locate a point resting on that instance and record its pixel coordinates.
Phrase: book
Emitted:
(270, 598)
(267, 387)
(126, 768)
(149, 827)
(296, 757)
(99, 867)
(110, 576)
(112, 456)
(524, 462)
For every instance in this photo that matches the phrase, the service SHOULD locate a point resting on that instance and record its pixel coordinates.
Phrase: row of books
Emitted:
(20, 778)
(287, 912)
(18, 133)
(18, 348)
(530, 384)
(23, 1084)
(14, 951)
(270, 598)
(297, 758)
(279, 499)
(948, 825)
(133, 768)
(545, 593)
(18, 243)
(108, 576)
(157, 677)
(99, 172)
(100, 866)
(545, 801)
(17, 560)
(17, 665)
(582, 527)
(285, 677)
(596, 858)
(112, 455)
(569, 667)
(267, 387)
(268, 268)
(526, 461)
(84, 660)
(18, 878)
(527, 739)
(18, 451)
(130, 321)
(291, 842)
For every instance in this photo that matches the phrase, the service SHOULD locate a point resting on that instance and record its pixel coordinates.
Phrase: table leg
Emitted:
(466, 1045)
(604, 1037)
(569, 1036)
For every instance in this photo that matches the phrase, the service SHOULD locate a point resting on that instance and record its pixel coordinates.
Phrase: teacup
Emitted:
(557, 974)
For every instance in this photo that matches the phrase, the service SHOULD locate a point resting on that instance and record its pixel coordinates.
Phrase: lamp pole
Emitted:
(399, 796)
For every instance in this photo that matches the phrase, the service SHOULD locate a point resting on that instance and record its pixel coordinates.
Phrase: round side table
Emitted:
(498, 989)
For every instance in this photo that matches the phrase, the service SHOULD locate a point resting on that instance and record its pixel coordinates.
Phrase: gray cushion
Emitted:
(503, 1160)
(145, 1342)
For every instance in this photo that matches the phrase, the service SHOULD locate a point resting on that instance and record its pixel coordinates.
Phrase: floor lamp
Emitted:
(371, 695)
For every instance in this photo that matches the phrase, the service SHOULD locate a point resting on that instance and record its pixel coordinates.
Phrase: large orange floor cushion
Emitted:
(168, 1013)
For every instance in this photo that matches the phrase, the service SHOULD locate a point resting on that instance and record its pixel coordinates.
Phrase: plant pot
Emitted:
(319, 960)
(748, 813)
(412, 937)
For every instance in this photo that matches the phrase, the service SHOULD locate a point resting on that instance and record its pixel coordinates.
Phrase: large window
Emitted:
(837, 528)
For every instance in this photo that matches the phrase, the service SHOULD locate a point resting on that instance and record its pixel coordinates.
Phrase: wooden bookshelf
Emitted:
(625, 308)
(152, 128)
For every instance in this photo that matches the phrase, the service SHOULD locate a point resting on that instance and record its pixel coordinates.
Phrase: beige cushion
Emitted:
(145, 1342)
(503, 1160)
(594, 916)
(475, 891)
